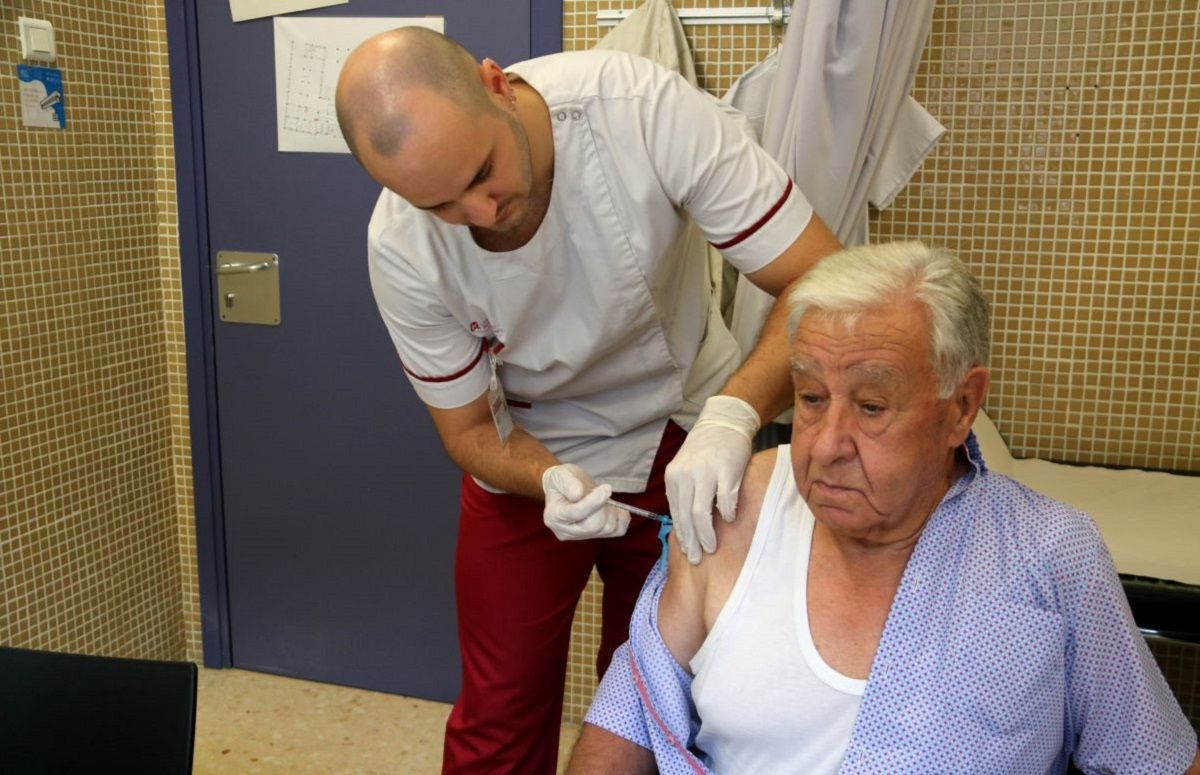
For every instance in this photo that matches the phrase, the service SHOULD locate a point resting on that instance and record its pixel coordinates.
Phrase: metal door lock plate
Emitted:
(248, 286)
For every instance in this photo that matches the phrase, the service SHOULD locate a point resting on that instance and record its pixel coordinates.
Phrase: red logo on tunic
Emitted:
(485, 329)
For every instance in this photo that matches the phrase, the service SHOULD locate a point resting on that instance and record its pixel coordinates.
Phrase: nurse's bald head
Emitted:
(379, 76)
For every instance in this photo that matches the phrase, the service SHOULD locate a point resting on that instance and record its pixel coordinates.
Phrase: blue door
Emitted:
(339, 506)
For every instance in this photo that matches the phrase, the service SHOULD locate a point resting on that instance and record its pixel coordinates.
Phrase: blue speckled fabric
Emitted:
(1009, 649)
(645, 696)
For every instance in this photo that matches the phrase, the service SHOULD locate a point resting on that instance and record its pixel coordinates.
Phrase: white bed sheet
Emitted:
(1150, 520)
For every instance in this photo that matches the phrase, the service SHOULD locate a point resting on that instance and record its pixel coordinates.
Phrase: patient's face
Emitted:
(872, 444)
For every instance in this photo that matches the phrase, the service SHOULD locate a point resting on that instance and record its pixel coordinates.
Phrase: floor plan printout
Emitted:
(309, 52)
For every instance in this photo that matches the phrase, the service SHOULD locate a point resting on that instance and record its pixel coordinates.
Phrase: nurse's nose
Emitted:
(479, 208)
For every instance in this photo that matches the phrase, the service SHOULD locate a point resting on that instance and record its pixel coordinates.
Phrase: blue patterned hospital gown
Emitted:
(1009, 648)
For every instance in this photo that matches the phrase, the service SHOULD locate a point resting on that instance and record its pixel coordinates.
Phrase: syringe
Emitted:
(640, 511)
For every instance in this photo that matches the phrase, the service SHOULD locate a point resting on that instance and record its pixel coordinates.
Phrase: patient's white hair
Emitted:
(856, 280)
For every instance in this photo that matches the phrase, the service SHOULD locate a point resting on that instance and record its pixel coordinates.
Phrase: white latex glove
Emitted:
(577, 508)
(709, 466)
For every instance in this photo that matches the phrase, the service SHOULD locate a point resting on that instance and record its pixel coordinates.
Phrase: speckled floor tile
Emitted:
(250, 722)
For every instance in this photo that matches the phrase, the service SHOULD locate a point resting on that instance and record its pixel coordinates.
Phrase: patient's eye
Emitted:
(875, 414)
(809, 401)
(809, 405)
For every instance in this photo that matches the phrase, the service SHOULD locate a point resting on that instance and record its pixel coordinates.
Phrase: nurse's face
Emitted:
(470, 169)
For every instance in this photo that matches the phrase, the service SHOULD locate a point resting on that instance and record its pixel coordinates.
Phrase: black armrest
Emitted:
(1167, 608)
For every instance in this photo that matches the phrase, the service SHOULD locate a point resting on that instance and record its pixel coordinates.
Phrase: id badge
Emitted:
(497, 401)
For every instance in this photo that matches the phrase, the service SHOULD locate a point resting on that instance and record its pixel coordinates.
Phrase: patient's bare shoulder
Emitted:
(694, 594)
(733, 538)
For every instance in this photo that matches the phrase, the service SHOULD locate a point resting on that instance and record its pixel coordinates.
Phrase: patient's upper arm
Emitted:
(694, 594)
(681, 607)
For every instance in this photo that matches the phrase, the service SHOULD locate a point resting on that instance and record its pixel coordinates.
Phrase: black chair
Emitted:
(70, 713)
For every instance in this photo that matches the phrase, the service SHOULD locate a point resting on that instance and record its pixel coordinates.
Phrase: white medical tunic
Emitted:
(604, 329)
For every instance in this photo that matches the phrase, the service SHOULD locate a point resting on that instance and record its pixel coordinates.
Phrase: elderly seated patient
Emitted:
(883, 603)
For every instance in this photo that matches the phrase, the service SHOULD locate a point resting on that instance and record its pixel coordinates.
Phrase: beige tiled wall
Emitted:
(722, 52)
(96, 553)
(1067, 181)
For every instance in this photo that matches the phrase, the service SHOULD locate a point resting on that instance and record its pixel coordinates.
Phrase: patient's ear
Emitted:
(966, 402)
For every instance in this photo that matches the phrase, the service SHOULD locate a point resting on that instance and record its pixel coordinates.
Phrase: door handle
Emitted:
(248, 287)
(243, 268)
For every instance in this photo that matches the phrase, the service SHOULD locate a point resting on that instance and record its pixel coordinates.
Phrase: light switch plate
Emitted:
(37, 39)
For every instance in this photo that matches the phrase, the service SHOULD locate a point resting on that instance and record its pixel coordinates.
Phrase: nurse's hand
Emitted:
(578, 508)
(708, 467)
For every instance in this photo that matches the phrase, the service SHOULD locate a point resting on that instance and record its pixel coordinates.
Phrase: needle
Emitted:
(640, 512)
(664, 521)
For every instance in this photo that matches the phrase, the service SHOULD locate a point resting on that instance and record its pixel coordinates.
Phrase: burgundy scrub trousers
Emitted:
(516, 587)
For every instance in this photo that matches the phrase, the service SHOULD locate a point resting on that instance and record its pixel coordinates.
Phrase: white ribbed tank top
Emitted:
(767, 701)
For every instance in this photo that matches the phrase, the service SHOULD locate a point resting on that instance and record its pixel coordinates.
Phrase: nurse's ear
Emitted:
(495, 83)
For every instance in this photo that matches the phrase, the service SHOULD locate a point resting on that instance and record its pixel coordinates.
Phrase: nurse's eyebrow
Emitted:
(485, 169)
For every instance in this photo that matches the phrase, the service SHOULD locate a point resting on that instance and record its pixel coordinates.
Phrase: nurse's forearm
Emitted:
(471, 441)
(764, 380)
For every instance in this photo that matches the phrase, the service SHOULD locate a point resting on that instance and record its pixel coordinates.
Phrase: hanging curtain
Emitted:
(839, 118)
